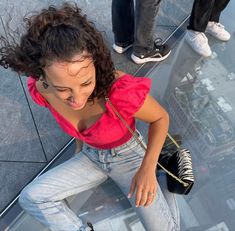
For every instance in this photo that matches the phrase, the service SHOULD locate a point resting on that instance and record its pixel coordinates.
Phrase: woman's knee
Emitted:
(31, 194)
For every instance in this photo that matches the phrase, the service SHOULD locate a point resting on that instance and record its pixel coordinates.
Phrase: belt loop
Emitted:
(113, 153)
(138, 133)
(101, 156)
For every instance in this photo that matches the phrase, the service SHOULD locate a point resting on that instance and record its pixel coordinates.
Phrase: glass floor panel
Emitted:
(199, 95)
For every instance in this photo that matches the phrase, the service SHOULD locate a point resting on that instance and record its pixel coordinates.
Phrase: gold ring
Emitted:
(151, 194)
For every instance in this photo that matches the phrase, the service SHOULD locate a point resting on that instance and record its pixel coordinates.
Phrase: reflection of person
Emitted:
(139, 34)
(205, 18)
(71, 72)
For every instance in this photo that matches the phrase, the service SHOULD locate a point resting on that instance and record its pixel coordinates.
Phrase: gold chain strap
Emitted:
(142, 144)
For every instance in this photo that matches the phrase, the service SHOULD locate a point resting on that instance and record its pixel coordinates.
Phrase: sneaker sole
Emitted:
(121, 50)
(138, 60)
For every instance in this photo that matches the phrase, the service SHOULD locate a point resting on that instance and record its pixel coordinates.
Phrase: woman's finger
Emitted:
(132, 189)
(151, 196)
(139, 192)
(144, 197)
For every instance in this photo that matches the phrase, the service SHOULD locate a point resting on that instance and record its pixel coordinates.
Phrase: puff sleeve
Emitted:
(128, 94)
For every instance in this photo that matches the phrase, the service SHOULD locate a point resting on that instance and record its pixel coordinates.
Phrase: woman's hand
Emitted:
(144, 185)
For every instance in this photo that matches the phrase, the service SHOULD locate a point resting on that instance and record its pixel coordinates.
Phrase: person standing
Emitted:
(133, 25)
(205, 17)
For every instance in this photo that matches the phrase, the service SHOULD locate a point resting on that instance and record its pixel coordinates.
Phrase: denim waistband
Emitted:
(131, 140)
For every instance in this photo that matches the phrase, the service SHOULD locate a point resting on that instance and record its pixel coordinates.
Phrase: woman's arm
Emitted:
(144, 182)
(154, 114)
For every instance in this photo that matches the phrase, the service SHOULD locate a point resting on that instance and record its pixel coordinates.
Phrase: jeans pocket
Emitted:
(130, 150)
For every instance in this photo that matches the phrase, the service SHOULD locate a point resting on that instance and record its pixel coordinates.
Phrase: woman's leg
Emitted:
(121, 165)
(169, 197)
(43, 197)
(162, 214)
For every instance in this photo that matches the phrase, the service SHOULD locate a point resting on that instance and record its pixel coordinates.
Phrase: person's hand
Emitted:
(144, 185)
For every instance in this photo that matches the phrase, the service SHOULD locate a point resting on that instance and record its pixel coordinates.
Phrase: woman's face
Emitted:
(72, 82)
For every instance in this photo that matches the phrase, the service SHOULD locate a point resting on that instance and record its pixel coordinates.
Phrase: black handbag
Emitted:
(180, 178)
(180, 164)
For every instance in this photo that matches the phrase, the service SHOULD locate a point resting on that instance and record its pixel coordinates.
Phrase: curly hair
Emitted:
(57, 34)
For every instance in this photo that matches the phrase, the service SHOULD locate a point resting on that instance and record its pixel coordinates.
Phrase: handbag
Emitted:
(180, 165)
(180, 178)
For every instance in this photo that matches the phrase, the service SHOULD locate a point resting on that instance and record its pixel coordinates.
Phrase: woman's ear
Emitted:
(44, 82)
(45, 85)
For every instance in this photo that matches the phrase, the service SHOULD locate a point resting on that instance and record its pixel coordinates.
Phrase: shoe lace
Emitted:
(200, 36)
(219, 25)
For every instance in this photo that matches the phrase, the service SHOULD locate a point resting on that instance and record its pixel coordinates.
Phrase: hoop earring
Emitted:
(45, 85)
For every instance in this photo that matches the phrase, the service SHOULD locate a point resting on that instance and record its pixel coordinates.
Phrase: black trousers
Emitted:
(204, 11)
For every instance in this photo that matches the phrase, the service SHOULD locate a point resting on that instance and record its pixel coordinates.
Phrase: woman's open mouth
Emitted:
(76, 106)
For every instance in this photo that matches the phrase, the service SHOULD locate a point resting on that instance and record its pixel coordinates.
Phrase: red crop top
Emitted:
(127, 94)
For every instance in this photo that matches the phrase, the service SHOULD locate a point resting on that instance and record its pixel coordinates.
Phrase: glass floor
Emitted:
(199, 95)
(200, 98)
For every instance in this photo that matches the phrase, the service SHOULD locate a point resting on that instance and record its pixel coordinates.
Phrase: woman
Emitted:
(72, 74)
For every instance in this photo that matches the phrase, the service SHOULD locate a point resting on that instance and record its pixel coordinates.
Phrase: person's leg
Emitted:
(162, 214)
(215, 28)
(145, 49)
(121, 164)
(200, 15)
(43, 197)
(219, 6)
(169, 197)
(195, 36)
(146, 12)
(123, 22)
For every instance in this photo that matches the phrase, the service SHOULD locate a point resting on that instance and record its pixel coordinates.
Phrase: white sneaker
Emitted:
(199, 42)
(217, 30)
(121, 49)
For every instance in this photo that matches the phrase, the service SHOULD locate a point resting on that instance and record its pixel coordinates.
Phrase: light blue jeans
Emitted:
(43, 197)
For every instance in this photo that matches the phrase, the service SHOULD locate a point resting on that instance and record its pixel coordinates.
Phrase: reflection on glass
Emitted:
(200, 99)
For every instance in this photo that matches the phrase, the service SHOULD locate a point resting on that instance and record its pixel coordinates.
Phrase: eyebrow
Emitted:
(69, 87)
(60, 87)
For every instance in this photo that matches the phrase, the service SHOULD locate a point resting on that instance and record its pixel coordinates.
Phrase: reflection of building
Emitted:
(220, 226)
(182, 124)
(218, 202)
(201, 115)
(107, 207)
(200, 104)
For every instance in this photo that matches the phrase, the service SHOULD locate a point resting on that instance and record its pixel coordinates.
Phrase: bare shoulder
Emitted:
(119, 74)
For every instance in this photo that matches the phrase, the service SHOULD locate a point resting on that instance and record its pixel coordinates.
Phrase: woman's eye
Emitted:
(86, 84)
(61, 90)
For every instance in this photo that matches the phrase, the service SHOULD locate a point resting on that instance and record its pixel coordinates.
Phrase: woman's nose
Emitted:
(78, 97)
